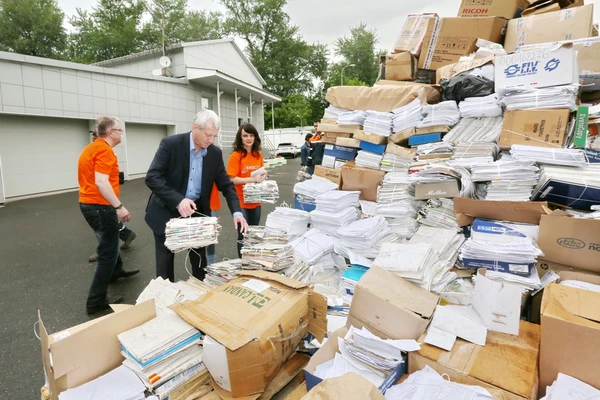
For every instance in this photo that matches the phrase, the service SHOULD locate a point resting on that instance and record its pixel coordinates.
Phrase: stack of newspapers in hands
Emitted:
(261, 192)
(190, 233)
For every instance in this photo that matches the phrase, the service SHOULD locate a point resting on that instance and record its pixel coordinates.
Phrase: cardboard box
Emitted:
(425, 138)
(508, 9)
(570, 241)
(545, 6)
(85, 352)
(373, 148)
(400, 151)
(403, 309)
(344, 153)
(537, 68)
(451, 70)
(400, 67)
(528, 212)
(457, 37)
(333, 162)
(567, 24)
(542, 128)
(348, 142)
(413, 33)
(403, 136)
(334, 175)
(331, 137)
(335, 128)
(570, 335)
(507, 363)
(260, 318)
(347, 386)
(383, 98)
(446, 189)
(364, 180)
(370, 137)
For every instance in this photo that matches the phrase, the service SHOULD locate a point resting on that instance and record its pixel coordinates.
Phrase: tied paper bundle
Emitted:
(222, 272)
(475, 130)
(408, 116)
(444, 113)
(469, 154)
(264, 234)
(261, 192)
(352, 118)
(487, 106)
(191, 233)
(379, 123)
(268, 257)
(533, 98)
(438, 213)
(368, 159)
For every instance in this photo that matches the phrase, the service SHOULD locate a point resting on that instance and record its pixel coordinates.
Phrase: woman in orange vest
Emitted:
(215, 205)
(245, 159)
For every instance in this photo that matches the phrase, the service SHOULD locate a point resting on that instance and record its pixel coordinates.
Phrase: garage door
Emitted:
(142, 143)
(40, 154)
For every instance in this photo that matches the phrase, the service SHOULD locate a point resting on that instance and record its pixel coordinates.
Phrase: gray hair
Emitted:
(207, 115)
(104, 124)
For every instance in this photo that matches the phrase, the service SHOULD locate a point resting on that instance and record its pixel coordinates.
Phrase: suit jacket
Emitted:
(168, 176)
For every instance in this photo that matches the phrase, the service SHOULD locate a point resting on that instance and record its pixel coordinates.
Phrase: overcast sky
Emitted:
(324, 21)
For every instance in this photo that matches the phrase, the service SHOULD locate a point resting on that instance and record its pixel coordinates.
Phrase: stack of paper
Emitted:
(399, 209)
(309, 190)
(447, 242)
(352, 118)
(504, 170)
(578, 188)
(261, 192)
(444, 113)
(349, 279)
(329, 222)
(549, 97)
(408, 260)
(512, 257)
(191, 233)
(475, 130)
(396, 186)
(265, 234)
(222, 272)
(487, 106)
(566, 387)
(313, 245)
(441, 172)
(545, 155)
(363, 233)
(294, 222)
(438, 213)
(333, 112)
(408, 116)
(368, 159)
(378, 123)
(367, 208)
(336, 200)
(428, 384)
(268, 256)
(164, 293)
(395, 163)
(404, 227)
(160, 349)
(526, 283)
(510, 190)
(118, 384)
(467, 154)
(434, 151)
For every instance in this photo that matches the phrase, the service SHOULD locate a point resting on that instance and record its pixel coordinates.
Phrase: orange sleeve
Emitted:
(103, 160)
(215, 199)
(233, 166)
(262, 160)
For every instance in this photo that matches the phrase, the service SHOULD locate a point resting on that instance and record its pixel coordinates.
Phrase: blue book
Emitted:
(424, 139)
(373, 148)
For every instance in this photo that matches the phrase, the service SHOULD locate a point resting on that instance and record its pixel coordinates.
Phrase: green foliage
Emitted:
(359, 49)
(32, 27)
(293, 111)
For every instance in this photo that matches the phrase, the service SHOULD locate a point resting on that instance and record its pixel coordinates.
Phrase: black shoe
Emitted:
(124, 274)
(105, 306)
(128, 241)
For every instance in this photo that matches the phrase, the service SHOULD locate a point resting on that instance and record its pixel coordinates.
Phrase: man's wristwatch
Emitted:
(118, 207)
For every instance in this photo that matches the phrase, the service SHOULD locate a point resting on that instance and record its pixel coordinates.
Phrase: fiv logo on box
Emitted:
(530, 68)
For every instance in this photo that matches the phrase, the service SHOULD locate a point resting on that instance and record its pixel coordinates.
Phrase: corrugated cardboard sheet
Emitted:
(379, 98)
(467, 210)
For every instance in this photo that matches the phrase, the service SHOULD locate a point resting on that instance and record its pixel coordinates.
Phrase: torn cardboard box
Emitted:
(567, 24)
(507, 362)
(508, 9)
(400, 67)
(259, 318)
(379, 98)
(362, 179)
(546, 6)
(571, 241)
(85, 352)
(570, 335)
(542, 128)
(467, 210)
(415, 29)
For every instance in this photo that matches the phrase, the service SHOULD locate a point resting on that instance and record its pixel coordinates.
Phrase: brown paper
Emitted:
(529, 212)
(364, 180)
(379, 98)
(348, 386)
(542, 128)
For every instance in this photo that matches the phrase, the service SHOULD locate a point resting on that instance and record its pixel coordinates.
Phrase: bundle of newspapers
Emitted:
(487, 106)
(221, 272)
(509, 180)
(396, 186)
(444, 113)
(266, 249)
(475, 130)
(261, 192)
(190, 233)
(265, 234)
(408, 116)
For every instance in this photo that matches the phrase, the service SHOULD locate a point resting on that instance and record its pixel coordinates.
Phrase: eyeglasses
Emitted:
(120, 130)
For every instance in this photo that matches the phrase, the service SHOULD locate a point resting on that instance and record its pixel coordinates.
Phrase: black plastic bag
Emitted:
(462, 86)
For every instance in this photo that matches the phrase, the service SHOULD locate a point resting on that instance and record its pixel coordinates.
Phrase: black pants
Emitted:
(103, 220)
(124, 232)
(252, 216)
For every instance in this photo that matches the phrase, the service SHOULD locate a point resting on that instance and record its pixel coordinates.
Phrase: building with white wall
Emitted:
(48, 108)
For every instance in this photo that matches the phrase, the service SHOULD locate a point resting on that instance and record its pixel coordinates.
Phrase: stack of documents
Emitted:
(261, 192)
(396, 186)
(434, 151)
(428, 384)
(191, 233)
(549, 97)
(408, 116)
(379, 123)
(268, 256)
(294, 222)
(438, 213)
(404, 227)
(545, 155)
(118, 384)
(403, 208)
(222, 272)
(526, 283)
(444, 113)
(578, 188)
(352, 118)
(363, 233)
(566, 387)
(395, 163)
(475, 153)
(447, 242)
(265, 234)
(487, 106)
(330, 222)
(367, 208)
(510, 190)
(336, 200)
(441, 172)
(504, 170)
(408, 260)
(164, 293)
(313, 245)
(333, 112)
(368, 159)
(349, 279)
(475, 130)
(309, 190)
(160, 349)
(512, 257)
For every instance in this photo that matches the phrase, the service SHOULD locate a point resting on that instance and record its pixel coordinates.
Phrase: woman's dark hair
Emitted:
(238, 144)
(308, 137)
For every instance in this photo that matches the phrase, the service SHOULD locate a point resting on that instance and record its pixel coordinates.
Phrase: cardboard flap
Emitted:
(46, 354)
(579, 302)
(450, 71)
(270, 276)
(347, 386)
(467, 210)
(317, 315)
(224, 394)
(379, 98)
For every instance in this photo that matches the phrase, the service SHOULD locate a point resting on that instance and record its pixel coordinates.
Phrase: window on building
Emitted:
(207, 103)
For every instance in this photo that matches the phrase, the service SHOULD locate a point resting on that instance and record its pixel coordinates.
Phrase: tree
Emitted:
(285, 60)
(32, 27)
(109, 31)
(359, 49)
(293, 111)
(180, 25)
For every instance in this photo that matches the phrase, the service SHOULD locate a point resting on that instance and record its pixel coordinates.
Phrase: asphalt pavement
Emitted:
(44, 248)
